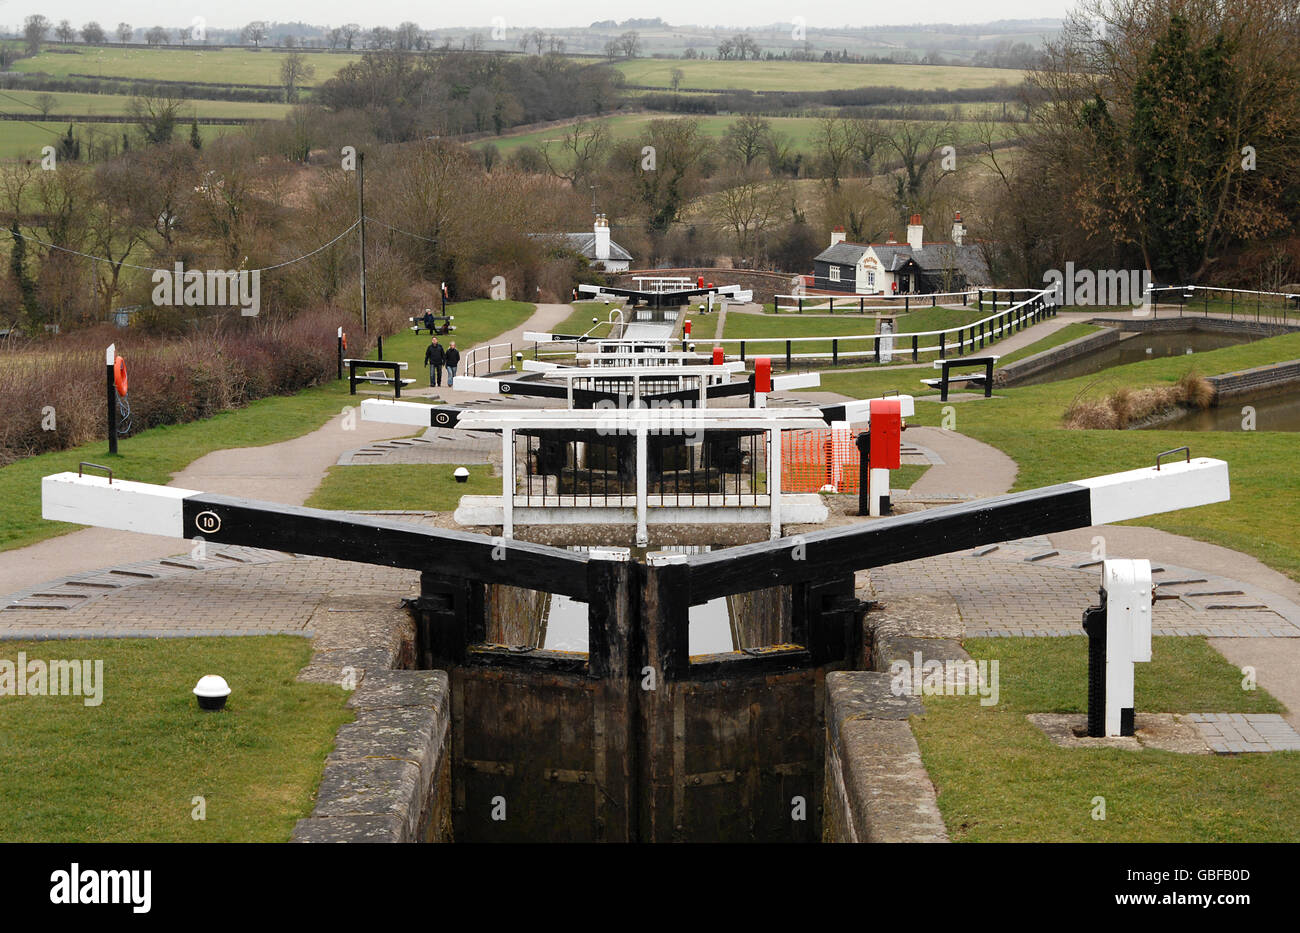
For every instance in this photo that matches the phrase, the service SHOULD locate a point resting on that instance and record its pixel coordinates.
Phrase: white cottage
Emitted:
(601, 251)
(914, 267)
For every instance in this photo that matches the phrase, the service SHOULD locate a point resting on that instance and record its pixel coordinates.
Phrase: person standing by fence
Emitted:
(434, 357)
(452, 357)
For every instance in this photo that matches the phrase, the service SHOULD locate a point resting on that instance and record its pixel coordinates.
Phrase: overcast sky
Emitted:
(823, 13)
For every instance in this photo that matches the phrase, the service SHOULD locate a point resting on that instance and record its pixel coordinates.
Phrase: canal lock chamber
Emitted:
(637, 698)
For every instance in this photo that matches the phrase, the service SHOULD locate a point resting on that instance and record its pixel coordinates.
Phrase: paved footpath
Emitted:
(286, 472)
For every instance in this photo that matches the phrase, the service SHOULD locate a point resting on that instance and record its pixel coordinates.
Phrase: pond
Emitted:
(1134, 349)
(1278, 411)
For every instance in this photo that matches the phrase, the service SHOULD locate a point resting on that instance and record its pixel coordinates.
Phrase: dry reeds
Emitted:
(1126, 406)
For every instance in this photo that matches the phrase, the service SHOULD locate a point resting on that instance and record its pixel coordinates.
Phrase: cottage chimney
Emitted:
(958, 230)
(837, 235)
(891, 241)
(602, 237)
(915, 231)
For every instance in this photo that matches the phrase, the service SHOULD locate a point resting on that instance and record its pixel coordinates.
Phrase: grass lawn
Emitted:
(810, 76)
(756, 327)
(154, 455)
(579, 322)
(1000, 779)
(118, 105)
(200, 65)
(906, 475)
(409, 487)
(1025, 424)
(1064, 335)
(129, 769)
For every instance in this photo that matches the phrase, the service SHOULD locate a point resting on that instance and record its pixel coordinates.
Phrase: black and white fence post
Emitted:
(1119, 636)
(109, 358)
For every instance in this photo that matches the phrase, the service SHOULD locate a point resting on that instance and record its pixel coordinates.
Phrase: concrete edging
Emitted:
(388, 778)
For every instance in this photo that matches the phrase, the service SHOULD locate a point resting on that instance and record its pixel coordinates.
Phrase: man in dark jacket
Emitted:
(452, 358)
(434, 357)
(428, 320)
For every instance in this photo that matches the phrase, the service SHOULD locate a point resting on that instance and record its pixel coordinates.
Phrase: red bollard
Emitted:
(718, 357)
(688, 327)
(763, 374)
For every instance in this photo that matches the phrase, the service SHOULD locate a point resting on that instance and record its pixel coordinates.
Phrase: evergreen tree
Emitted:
(195, 139)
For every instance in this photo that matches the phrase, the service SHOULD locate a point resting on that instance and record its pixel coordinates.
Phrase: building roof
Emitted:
(585, 245)
(931, 257)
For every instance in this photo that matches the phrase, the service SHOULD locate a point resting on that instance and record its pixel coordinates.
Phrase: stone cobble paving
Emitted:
(1229, 733)
(1001, 592)
(278, 597)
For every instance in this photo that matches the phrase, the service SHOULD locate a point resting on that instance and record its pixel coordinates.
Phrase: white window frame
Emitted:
(833, 272)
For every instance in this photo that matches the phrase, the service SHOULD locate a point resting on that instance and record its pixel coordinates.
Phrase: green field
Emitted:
(83, 104)
(1000, 779)
(799, 130)
(25, 140)
(130, 769)
(810, 76)
(204, 66)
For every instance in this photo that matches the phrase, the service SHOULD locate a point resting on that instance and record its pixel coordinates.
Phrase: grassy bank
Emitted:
(1025, 424)
(154, 455)
(129, 769)
(408, 487)
(1000, 779)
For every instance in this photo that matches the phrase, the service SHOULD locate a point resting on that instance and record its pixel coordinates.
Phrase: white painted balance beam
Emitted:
(161, 510)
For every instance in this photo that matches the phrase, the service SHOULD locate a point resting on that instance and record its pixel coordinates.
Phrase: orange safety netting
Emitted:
(816, 458)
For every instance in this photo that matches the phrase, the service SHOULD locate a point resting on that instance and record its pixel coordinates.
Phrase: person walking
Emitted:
(452, 357)
(434, 357)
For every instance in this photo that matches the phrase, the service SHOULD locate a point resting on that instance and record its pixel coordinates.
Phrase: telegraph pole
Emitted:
(361, 210)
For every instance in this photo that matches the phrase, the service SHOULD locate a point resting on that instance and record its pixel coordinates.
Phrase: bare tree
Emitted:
(295, 70)
(35, 28)
(254, 32)
(746, 139)
(46, 103)
(349, 33)
(92, 33)
(750, 205)
(582, 149)
(124, 32)
(64, 31)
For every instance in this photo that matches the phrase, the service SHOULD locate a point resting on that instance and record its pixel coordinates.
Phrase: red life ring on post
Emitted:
(119, 375)
(345, 341)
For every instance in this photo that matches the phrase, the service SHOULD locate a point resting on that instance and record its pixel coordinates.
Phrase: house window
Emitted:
(871, 280)
(834, 273)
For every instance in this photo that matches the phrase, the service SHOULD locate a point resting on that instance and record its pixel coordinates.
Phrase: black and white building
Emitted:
(914, 267)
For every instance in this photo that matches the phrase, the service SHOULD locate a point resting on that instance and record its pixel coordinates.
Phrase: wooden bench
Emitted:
(441, 324)
(377, 376)
(985, 378)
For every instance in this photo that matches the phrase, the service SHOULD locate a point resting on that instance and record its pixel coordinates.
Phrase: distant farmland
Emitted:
(810, 76)
(69, 102)
(799, 129)
(203, 66)
(25, 140)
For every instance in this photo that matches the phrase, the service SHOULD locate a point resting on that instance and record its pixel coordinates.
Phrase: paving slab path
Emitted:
(286, 472)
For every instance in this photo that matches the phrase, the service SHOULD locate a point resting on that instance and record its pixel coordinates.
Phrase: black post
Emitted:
(915, 348)
(863, 441)
(340, 355)
(380, 349)
(361, 209)
(788, 363)
(835, 352)
(112, 408)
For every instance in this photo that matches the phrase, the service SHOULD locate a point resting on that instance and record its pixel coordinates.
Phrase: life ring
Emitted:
(119, 375)
(345, 341)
